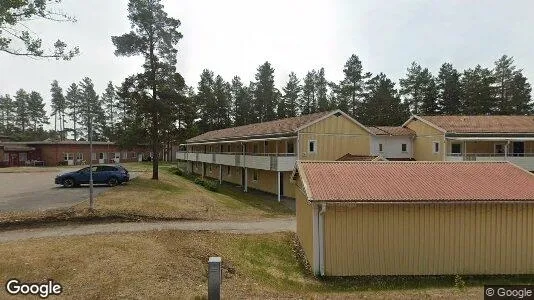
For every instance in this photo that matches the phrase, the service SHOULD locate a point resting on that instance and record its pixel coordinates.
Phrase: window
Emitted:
(380, 147)
(404, 148)
(435, 148)
(255, 175)
(290, 147)
(101, 155)
(134, 154)
(6, 157)
(23, 156)
(93, 156)
(499, 149)
(68, 156)
(79, 156)
(312, 146)
(456, 148)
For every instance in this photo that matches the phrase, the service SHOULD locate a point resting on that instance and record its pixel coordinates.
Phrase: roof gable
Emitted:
(415, 181)
(391, 130)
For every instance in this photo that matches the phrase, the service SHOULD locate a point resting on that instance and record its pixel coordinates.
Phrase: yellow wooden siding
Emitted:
(429, 239)
(426, 135)
(335, 137)
(304, 224)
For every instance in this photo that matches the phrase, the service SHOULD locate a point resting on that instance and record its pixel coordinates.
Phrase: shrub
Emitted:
(208, 184)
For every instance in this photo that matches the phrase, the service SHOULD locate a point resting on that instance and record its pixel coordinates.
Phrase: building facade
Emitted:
(262, 156)
(474, 138)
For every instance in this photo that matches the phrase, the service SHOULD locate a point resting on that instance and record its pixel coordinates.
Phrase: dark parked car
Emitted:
(110, 175)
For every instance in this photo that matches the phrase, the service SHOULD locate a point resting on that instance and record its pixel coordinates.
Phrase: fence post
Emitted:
(214, 278)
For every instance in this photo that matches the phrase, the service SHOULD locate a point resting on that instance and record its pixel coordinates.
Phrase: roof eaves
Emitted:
(331, 114)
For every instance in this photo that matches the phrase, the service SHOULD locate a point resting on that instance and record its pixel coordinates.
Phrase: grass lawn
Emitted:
(170, 197)
(173, 264)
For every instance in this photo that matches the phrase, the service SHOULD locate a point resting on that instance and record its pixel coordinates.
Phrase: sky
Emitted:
(234, 37)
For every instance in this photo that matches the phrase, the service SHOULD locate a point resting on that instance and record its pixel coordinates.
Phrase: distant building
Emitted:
(68, 152)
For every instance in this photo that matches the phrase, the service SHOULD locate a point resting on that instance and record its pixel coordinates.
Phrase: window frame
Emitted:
(404, 147)
(255, 175)
(380, 147)
(434, 150)
(314, 143)
(454, 144)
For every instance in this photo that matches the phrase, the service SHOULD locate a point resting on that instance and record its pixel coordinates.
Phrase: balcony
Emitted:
(524, 160)
(263, 161)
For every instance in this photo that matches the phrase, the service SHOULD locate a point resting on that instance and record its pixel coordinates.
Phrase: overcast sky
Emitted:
(233, 37)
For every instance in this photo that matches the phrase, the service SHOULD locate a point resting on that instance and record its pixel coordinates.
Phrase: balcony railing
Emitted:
(263, 161)
(524, 160)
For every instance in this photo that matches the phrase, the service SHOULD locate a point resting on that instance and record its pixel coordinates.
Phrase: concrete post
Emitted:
(246, 179)
(220, 174)
(279, 192)
(214, 278)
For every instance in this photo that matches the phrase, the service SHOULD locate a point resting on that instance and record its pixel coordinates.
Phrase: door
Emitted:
(101, 157)
(140, 157)
(117, 158)
(518, 148)
(13, 159)
(281, 183)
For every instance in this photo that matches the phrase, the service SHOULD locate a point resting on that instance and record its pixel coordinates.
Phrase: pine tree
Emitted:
(288, 106)
(412, 88)
(478, 91)
(36, 112)
(322, 91)
(353, 83)
(264, 94)
(109, 99)
(91, 110)
(7, 116)
(336, 97)
(242, 102)
(58, 108)
(206, 101)
(449, 90)
(73, 104)
(503, 73)
(308, 101)
(429, 103)
(21, 110)
(221, 91)
(154, 36)
(381, 105)
(520, 100)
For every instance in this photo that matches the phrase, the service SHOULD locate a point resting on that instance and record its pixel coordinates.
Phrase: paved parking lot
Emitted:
(37, 191)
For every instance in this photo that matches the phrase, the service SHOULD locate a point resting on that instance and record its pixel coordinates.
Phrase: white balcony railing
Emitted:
(262, 161)
(524, 160)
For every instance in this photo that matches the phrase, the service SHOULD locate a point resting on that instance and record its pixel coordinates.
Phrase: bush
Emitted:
(206, 183)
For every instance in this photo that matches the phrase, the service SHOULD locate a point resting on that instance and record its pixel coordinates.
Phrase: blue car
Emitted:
(102, 174)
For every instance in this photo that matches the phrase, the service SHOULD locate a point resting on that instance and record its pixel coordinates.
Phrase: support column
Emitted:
(203, 169)
(220, 174)
(246, 180)
(279, 192)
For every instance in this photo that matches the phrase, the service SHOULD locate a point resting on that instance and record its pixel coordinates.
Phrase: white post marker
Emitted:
(214, 278)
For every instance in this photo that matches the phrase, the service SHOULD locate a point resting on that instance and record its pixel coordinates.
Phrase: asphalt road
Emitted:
(37, 191)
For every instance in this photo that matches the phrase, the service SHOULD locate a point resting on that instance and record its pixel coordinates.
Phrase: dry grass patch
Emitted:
(173, 265)
(173, 197)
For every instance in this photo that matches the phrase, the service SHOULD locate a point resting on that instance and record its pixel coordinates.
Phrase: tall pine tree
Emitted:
(288, 106)
(36, 112)
(353, 83)
(73, 104)
(308, 100)
(264, 93)
(478, 91)
(449, 90)
(381, 105)
(321, 85)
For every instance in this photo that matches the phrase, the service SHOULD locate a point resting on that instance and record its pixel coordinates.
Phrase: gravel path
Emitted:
(264, 226)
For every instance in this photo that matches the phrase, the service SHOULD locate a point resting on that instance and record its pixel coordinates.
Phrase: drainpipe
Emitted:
(321, 238)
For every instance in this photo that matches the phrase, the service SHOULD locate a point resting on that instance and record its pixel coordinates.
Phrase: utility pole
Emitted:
(91, 200)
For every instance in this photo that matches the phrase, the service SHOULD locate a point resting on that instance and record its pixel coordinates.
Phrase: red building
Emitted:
(54, 153)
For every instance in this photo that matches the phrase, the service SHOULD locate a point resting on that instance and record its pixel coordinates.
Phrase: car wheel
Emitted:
(68, 182)
(113, 181)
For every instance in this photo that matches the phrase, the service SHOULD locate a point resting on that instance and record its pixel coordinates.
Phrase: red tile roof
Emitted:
(282, 126)
(415, 181)
(483, 124)
(391, 130)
